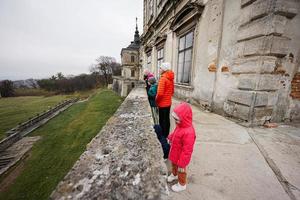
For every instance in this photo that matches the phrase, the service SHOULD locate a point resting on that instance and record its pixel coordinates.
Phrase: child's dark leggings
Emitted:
(164, 120)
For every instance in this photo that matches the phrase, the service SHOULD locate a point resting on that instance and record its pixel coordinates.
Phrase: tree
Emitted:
(116, 69)
(7, 88)
(60, 76)
(69, 84)
(104, 67)
(48, 84)
(53, 77)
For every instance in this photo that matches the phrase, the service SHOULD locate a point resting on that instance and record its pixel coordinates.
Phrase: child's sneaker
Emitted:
(178, 188)
(171, 178)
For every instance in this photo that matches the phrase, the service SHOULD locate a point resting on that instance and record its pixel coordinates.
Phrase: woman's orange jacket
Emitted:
(165, 89)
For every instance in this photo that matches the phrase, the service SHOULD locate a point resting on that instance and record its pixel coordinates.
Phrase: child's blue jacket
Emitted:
(152, 94)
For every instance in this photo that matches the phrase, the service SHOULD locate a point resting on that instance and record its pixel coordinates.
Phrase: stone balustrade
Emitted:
(124, 161)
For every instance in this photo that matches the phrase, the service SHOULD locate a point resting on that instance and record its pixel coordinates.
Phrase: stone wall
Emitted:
(117, 85)
(263, 66)
(124, 161)
(245, 55)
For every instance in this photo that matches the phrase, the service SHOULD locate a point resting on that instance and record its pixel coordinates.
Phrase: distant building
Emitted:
(130, 67)
(238, 58)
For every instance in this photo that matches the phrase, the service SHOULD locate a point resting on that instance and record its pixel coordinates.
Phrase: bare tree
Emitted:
(60, 76)
(104, 67)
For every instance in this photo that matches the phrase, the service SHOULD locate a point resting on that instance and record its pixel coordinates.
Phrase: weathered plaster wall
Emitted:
(225, 81)
(262, 65)
(288, 107)
(124, 161)
(207, 37)
(117, 85)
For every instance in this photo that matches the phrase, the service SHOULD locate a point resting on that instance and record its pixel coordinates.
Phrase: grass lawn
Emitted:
(15, 110)
(64, 139)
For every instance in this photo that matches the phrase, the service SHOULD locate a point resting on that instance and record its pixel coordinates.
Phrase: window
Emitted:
(184, 63)
(151, 8)
(160, 57)
(149, 61)
(132, 73)
(132, 58)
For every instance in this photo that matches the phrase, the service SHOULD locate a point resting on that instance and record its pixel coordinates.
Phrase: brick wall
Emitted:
(295, 92)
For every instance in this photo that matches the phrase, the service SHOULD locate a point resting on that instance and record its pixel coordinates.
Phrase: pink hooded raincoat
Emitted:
(183, 137)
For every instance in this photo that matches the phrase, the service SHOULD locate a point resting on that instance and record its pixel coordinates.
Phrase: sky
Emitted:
(39, 38)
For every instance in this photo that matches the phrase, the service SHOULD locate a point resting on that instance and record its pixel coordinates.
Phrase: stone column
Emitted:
(261, 49)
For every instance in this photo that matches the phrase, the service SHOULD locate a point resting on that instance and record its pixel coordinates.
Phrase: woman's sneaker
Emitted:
(178, 188)
(171, 178)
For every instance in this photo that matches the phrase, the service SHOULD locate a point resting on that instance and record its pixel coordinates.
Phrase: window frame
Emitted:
(184, 50)
(160, 59)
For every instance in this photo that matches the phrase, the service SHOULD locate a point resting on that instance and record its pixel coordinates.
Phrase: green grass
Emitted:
(32, 92)
(83, 94)
(64, 139)
(15, 110)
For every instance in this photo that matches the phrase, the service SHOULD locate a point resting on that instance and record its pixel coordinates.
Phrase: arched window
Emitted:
(183, 25)
(132, 58)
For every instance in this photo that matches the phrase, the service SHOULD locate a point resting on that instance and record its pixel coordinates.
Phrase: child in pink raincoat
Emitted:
(182, 141)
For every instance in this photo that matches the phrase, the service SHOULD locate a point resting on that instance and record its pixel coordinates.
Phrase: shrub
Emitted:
(7, 88)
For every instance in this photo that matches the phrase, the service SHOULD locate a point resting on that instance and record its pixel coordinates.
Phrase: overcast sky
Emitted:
(39, 38)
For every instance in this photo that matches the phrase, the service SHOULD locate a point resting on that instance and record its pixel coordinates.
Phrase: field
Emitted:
(15, 110)
(64, 139)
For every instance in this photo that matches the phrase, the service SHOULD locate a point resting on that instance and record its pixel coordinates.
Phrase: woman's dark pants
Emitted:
(164, 120)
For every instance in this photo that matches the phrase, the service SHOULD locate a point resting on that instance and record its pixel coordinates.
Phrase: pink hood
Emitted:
(185, 114)
(149, 75)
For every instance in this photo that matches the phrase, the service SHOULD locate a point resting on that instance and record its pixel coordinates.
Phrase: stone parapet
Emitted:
(124, 161)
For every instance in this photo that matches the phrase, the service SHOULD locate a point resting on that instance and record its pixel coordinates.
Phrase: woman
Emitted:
(164, 95)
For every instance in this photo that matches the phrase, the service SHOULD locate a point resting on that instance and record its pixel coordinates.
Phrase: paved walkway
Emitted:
(237, 163)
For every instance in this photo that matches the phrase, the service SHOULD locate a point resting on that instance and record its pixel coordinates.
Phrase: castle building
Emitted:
(238, 58)
(130, 67)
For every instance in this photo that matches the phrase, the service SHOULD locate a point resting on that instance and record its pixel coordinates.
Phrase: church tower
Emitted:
(130, 66)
